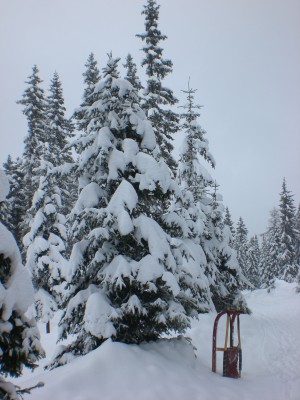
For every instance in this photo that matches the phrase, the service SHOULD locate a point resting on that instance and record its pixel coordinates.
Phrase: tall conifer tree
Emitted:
(59, 128)
(127, 280)
(270, 266)
(217, 243)
(34, 109)
(19, 339)
(15, 173)
(253, 262)
(59, 132)
(195, 176)
(264, 264)
(241, 244)
(298, 235)
(288, 252)
(45, 241)
(298, 246)
(45, 245)
(158, 99)
(228, 221)
(91, 78)
(6, 203)
(131, 73)
(206, 209)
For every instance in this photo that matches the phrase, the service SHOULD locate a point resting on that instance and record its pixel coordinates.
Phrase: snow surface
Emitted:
(168, 369)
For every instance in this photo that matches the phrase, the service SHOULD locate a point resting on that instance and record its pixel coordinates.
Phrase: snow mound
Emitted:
(158, 370)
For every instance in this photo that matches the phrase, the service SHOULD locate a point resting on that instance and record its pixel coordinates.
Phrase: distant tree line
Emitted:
(275, 254)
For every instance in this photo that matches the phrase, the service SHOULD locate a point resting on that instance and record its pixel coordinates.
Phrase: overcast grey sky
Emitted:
(243, 56)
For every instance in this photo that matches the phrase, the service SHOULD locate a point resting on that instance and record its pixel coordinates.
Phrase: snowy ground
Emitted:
(169, 370)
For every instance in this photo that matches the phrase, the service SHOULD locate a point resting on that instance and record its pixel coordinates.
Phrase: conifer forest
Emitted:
(107, 238)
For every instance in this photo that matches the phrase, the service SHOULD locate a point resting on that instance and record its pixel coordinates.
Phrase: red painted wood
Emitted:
(214, 342)
(231, 361)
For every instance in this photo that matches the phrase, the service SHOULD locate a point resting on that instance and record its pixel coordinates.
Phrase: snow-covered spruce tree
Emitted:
(6, 208)
(34, 109)
(264, 260)
(126, 269)
(158, 99)
(59, 128)
(45, 245)
(298, 246)
(83, 119)
(14, 171)
(131, 73)
(191, 173)
(228, 221)
(194, 179)
(270, 251)
(91, 78)
(241, 244)
(204, 210)
(252, 272)
(289, 266)
(218, 248)
(298, 235)
(59, 131)
(19, 336)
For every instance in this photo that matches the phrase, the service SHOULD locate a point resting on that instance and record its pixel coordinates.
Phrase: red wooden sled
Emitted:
(232, 359)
